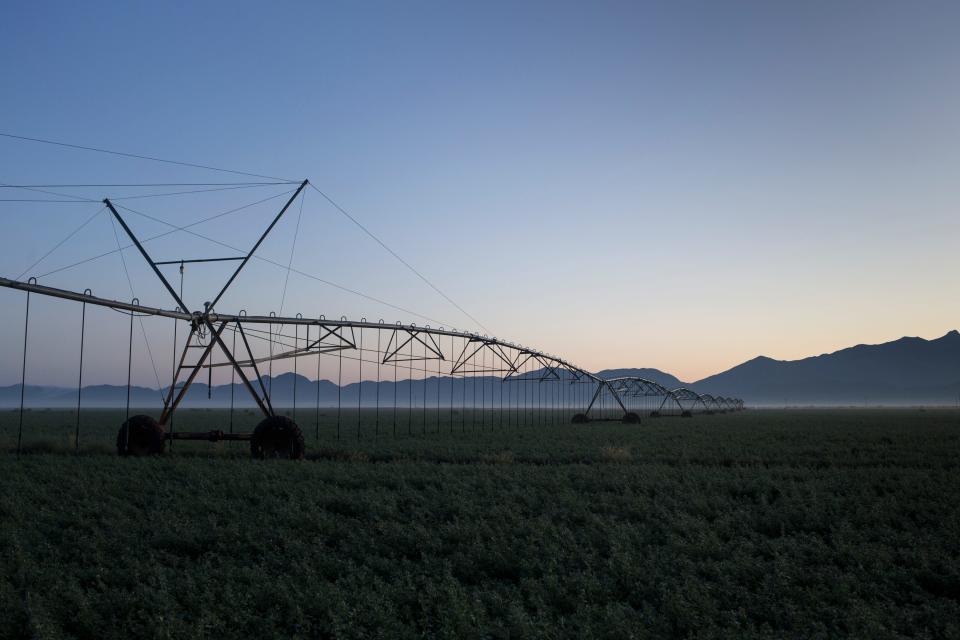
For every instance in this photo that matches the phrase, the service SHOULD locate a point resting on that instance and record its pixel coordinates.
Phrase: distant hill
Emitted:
(905, 371)
(654, 375)
(485, 389)
(197, 396)
(908, 371)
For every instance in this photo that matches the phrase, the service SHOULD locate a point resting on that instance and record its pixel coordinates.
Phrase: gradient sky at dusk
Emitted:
(674, 185)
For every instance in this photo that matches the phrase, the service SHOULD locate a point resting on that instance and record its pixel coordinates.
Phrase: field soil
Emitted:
(773, 524)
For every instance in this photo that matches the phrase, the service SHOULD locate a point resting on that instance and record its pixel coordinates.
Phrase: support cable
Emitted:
(233, 378)
(165, 233)
(439, 378)
(339, 390)
(23, 373)
(317, 435)
(500, 414)
(175, 369)
(423, 426)
(142, 196)
(126, 422)
(140, 318)
(250, 174)
(473, 405)
(296, 341)
(396, 386)
(83, 327)
(138, 185)
(451, 388)
(483, 390)
(293, 248)
(72, 197)
(276, 264)
(410, 392)
(138, 157)
(360, 383)
(60, 244)
(145, 196)
(46, 200)
(270, 373)
(395, 255)
(376, 424)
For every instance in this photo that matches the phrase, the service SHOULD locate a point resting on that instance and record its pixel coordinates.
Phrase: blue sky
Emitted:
(675, 185)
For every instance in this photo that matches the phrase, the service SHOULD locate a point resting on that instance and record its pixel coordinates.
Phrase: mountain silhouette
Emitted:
(654, 375)
(908, 371)
(481, 390)
(904, 371)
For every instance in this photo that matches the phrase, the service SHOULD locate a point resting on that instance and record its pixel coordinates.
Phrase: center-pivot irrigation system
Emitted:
(442, 368)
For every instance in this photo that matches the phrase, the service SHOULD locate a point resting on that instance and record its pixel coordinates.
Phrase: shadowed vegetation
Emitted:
(761, 524)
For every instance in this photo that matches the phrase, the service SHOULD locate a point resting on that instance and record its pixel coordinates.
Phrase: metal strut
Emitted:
(601, 383)
(206, 319)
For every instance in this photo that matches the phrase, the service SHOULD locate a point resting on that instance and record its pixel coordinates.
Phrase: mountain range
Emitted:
(904, 371)
(908, 371)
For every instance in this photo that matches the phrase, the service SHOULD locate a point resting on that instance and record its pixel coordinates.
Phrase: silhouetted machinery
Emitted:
(278, 436)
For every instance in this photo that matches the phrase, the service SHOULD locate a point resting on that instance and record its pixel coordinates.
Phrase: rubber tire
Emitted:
(145, 437)
(654, 414)
(630, 418)
(686, 414)
(277, 437)
(579, 418)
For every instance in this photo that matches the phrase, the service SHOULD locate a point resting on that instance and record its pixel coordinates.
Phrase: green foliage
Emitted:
(761, 524)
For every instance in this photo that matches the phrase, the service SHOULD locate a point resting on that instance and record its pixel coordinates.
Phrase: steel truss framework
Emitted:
(454, 354)
(682, 400)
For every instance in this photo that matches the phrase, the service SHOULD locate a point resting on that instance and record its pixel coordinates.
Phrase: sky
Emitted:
(675, 185)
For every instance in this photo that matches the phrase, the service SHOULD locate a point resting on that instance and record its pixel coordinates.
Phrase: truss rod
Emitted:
(256, 246)
(198, 260)
(241, 320)
(146, 256)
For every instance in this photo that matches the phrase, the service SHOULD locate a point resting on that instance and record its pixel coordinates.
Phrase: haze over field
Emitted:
(908, 371)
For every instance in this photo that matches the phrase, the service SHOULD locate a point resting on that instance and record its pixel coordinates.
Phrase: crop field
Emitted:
(798, 524)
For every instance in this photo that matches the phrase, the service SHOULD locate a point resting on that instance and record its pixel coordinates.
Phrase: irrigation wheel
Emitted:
(277, 437)
(580, 418)
(630, 418)
(144, 437)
